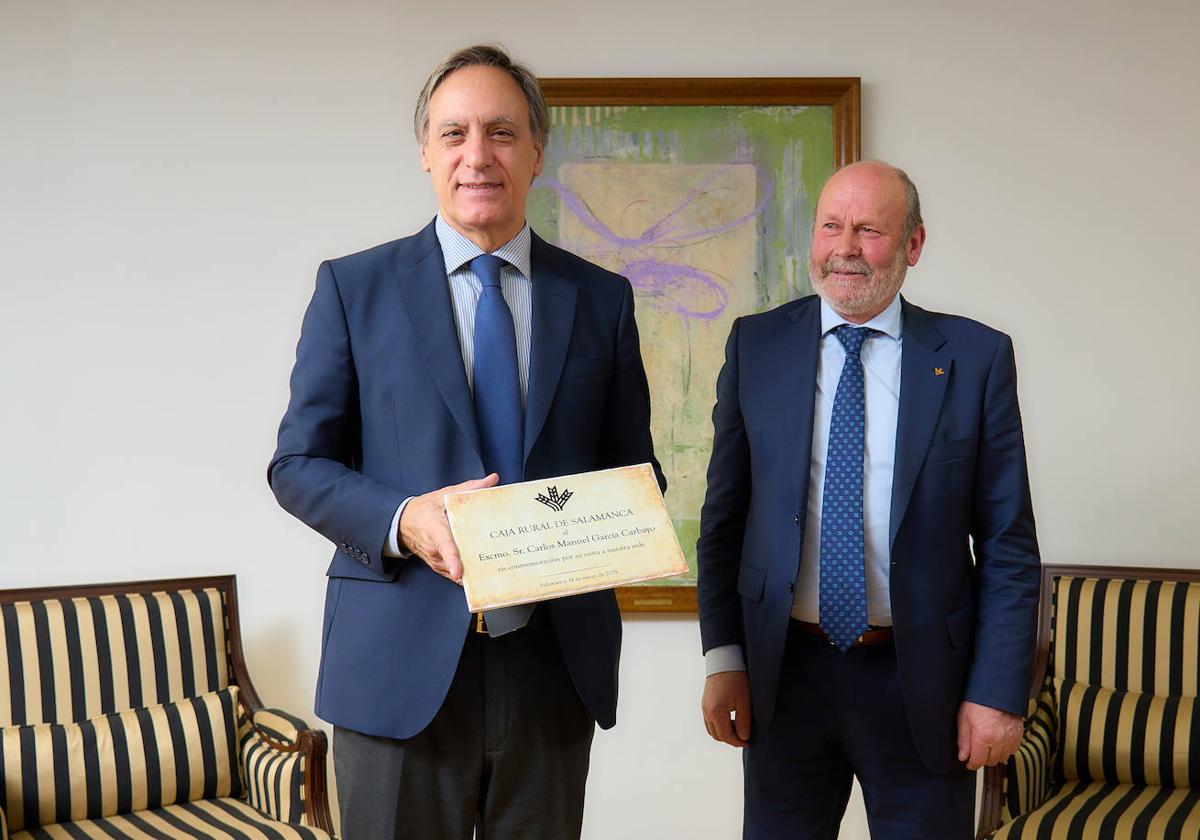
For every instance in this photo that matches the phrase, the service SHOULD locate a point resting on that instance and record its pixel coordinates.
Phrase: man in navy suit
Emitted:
(868, 561)
(470, 353)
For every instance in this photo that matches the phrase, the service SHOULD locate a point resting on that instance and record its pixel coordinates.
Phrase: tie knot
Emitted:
(487, 269)
(852, 338)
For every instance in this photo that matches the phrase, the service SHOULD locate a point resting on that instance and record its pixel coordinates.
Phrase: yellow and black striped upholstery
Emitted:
(271, 764)
(1030, 771)
(1098, 811)
(212, 819)
(1113, 748)
(77, 659)
(120, 763)
(1127, 737)
(115, 684)
(1128, 635)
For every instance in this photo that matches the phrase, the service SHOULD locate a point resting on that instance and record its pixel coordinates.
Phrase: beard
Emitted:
(860, 298)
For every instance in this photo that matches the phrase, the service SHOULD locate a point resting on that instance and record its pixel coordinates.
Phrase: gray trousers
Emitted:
(506, 756)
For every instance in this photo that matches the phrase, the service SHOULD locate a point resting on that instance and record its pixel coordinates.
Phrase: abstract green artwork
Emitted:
(707, 209)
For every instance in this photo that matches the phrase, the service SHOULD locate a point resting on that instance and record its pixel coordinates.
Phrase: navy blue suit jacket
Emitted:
(964, 623)
(380, 410)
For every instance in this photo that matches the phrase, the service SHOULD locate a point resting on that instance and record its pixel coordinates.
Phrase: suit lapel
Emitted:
(553, 319)
(426, 298)
(925, 371)
(799, 350)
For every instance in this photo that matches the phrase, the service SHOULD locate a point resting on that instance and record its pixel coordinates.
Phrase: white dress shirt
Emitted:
(465, 288)
(881, 365)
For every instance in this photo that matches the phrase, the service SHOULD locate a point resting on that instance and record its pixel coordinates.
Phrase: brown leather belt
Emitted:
(873, 636)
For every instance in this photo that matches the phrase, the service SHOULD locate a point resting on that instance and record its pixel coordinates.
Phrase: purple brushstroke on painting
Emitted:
(674, 286)
(657, 234)
(680, 288)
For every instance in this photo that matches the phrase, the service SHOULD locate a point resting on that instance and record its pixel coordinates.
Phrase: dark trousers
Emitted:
(506, 756)
(841, 715)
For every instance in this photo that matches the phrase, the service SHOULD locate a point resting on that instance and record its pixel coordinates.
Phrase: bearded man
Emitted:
(868, 559)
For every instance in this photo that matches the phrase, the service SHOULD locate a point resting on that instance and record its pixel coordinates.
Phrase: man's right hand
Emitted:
(727, 692)
(425, 531)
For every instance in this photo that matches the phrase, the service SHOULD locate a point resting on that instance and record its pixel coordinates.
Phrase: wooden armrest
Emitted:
(280, 752)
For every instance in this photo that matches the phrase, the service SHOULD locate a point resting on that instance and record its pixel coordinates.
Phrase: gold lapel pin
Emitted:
(939, 372)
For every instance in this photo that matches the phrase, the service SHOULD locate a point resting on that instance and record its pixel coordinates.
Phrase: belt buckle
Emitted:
(480, 626)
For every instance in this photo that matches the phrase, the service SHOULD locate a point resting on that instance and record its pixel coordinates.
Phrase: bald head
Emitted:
(866, 233)
(885, 171)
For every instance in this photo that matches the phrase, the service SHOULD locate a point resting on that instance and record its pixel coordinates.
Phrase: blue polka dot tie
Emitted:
(497, 392)
(843, 587)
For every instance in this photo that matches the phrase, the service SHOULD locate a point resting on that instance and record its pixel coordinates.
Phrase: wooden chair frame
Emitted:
(993, 777)
(312, 743)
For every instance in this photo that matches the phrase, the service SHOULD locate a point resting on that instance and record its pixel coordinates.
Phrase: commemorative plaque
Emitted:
(542, 539)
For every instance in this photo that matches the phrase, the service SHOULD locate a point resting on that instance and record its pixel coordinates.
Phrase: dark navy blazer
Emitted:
(964, 622)
(380, 410)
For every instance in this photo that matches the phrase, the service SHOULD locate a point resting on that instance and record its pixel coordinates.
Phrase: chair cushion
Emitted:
(120, 763)
(1099, 811)
(219, 819)
(1123, 737)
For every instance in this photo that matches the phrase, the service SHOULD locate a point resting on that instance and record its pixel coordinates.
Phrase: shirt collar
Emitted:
(458, 250)
(889, 321)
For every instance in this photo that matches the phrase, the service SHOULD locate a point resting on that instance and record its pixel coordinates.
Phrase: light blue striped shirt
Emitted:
(516, 282)
(465, 288)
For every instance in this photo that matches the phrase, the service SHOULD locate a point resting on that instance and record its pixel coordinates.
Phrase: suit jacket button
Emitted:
(365, 561)
(791, 586)
(797, 519)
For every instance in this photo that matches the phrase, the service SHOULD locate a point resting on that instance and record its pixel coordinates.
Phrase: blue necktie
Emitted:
(843, 587)
(497, 383)
(497, 387)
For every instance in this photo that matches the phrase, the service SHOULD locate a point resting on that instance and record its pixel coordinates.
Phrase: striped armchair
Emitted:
(1112, 744)
(126, 712)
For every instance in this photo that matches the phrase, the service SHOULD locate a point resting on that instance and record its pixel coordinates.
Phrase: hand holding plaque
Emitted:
(543, 539)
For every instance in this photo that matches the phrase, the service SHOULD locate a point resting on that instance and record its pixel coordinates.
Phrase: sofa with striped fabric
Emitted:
(1112, 743)
(126, 712)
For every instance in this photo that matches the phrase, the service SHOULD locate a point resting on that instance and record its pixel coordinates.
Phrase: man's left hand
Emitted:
(987, 736)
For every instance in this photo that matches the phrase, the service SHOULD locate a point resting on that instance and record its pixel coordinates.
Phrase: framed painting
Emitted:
(702, 193)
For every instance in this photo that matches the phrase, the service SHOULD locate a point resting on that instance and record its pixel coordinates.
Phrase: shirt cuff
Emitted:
(393, 547)
(724, 658)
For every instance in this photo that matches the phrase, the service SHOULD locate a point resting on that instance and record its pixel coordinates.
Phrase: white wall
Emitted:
(172, 173)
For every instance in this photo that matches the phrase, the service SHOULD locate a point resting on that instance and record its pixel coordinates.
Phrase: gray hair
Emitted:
(912, 202)
(486, 55)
